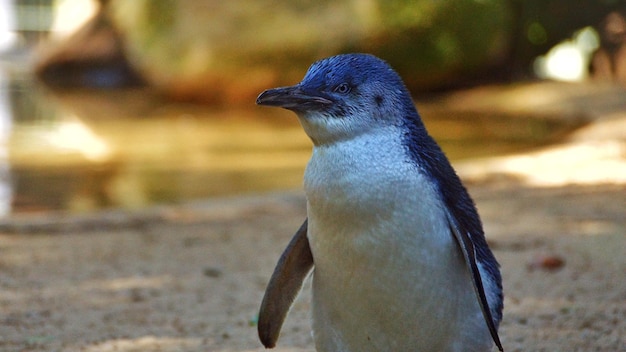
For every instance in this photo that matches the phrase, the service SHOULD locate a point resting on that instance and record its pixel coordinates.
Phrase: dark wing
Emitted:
(292, 268)
(460, 210)
(469, 253)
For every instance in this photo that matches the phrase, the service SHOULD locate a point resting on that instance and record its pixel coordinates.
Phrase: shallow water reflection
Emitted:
(130, 149)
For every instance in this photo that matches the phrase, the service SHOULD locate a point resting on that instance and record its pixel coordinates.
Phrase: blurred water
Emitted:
(84, 151)
(81, 151)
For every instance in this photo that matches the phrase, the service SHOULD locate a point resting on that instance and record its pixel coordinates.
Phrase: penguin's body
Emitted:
(400, 260)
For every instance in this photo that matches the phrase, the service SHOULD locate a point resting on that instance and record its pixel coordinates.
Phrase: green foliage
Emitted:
(430, 40)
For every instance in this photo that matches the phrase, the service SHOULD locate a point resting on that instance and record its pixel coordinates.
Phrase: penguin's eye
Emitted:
(343, 88)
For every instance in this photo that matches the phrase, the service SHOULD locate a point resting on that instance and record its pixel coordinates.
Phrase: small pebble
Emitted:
(549, 262)
(212, 272)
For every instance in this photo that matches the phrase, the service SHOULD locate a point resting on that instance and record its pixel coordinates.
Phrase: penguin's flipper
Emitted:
(469, 253)
(292, 268)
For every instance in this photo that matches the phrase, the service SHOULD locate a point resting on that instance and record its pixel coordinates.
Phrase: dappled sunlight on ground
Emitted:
(584, 163)
(589, 155)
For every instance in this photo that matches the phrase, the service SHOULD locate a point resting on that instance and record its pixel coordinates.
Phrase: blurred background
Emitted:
(129, 104)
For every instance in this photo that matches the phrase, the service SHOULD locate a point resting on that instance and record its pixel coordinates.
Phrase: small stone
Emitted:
(548, 262)
(212, 272)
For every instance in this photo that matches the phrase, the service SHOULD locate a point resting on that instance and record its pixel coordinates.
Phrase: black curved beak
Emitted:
(293, 98)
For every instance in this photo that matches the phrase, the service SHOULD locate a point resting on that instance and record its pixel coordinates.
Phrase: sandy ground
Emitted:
(191, 277)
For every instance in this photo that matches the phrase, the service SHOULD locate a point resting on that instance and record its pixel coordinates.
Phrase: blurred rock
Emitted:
(91, 57)
(229, 51)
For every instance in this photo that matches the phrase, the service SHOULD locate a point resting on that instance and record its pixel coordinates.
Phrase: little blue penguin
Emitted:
(395, 244)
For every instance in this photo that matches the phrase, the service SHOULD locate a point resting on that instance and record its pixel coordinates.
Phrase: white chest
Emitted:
(367, 191)
(384, 256)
